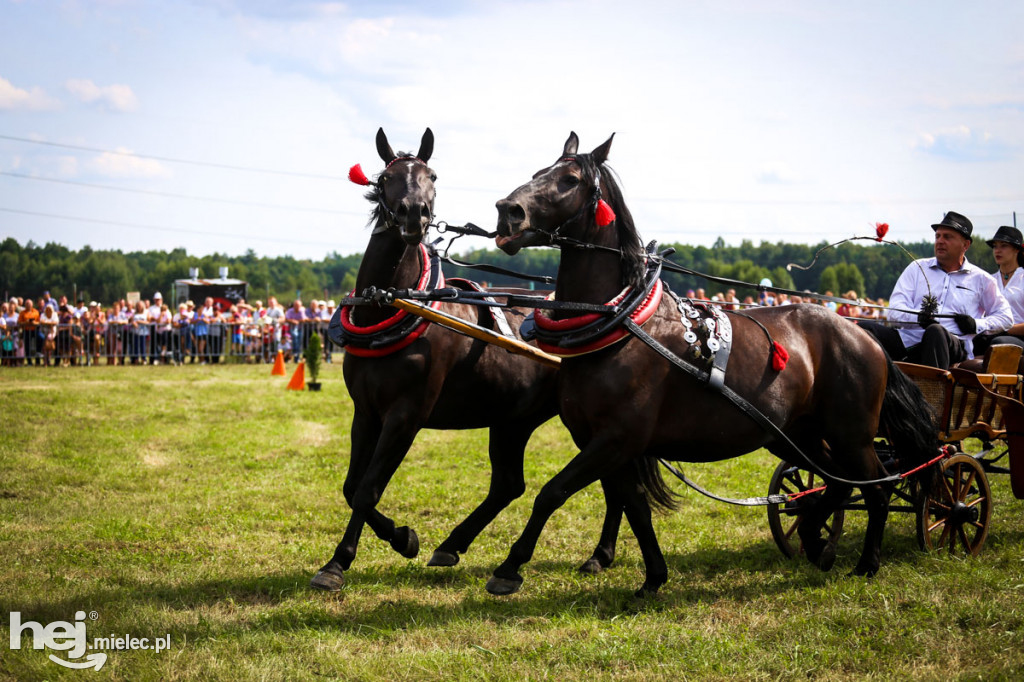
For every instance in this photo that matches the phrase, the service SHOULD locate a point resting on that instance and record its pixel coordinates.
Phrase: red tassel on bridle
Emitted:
(780, 356)
(604, 215)
(356, 175)
(880, 231)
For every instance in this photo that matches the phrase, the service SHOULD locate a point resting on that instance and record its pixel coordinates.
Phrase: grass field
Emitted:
(197, 502)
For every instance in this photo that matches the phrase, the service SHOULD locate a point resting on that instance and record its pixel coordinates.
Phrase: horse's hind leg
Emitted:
(818, 550)
(604, 553)
(876, 499)
(638, 513)
(506, 447)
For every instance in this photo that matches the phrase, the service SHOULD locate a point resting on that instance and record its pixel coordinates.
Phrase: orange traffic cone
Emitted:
(278, 370)
(298, 380)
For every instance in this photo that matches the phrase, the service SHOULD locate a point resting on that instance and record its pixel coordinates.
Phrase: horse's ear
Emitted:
(571, 145)
(383, 148)
(426, 146)
(600, 154)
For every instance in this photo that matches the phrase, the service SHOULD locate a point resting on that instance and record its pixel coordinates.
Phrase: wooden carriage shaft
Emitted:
(459, 325)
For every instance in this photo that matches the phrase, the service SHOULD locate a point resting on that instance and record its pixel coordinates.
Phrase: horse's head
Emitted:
(404, 191)
(559, 198)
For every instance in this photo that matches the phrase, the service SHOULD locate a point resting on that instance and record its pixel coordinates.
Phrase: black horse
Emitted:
(404, 375)
(625, 404)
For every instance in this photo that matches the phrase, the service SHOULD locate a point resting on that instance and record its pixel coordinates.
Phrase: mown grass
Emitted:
(199, 501)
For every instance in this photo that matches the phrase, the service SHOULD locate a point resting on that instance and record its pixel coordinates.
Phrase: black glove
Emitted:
(924, 319)
(966, 323)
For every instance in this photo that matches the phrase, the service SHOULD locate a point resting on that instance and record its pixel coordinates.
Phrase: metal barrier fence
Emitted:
(124, 343)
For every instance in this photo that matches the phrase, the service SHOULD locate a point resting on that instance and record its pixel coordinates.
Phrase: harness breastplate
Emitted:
(397, 331)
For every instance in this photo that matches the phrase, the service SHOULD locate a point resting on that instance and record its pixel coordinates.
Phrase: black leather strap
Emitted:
(748, 409)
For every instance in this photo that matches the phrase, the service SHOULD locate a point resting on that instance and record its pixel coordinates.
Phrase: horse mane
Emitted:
(634, 267)
(373, 196)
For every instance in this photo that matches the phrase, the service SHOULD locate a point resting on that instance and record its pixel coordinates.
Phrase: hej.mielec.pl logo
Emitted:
(71, 638)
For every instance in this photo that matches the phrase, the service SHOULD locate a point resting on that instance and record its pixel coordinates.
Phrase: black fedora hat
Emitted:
(1010, 235)
(957, 223)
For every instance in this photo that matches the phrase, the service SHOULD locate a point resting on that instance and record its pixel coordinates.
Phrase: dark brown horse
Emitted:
(625, 404)
(430, 377)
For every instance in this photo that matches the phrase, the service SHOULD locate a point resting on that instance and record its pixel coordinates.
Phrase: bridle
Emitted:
(388, 218)
(554, 237)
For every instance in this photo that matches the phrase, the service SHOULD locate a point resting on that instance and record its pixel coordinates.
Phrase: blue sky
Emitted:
(771, 120)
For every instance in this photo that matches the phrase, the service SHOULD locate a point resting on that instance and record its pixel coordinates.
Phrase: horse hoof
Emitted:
(828, 557)
(591, 567)
(442, 558)
(406, 542)
(861, 572)
(330, 578)
(503, 586)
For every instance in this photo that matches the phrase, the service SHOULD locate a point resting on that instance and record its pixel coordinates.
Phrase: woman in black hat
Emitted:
(1008, 251)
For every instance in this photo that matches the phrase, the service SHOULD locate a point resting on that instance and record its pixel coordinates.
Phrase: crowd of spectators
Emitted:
(862, 309)
(48, 331)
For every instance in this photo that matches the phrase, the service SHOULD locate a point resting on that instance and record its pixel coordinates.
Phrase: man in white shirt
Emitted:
(967, 298)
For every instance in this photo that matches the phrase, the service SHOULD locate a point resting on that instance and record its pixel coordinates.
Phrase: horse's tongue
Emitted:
(501, 241)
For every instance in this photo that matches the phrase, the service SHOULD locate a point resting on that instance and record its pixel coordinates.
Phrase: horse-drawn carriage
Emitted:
(825, 400)
(980, 422)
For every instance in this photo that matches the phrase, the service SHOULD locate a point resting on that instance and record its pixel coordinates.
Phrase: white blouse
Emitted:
(1013, 290)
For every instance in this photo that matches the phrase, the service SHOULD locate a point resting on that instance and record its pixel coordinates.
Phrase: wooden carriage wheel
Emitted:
(955, 517)
(784, 519)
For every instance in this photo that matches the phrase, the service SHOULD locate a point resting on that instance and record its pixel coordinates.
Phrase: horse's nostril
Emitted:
(402, 211)
(425, 211)
(511, 212)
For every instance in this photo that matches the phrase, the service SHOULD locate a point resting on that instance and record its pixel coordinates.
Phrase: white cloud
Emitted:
(125, 165)
(115, 97)
(963, 143)
(776, 174)
(15, 98)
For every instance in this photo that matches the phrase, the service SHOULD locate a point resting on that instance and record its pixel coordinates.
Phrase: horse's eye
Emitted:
(383, 179)
(433, 177)
(570, 181)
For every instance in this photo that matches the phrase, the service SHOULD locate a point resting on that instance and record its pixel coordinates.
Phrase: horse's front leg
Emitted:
(585, 468)
(506, 447)
(365, 436)
(396, 436)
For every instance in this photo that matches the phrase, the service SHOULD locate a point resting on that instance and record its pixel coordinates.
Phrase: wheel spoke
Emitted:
(944, 537)
(793, 528)
(963, 538)
(950, 495)
(967, 486)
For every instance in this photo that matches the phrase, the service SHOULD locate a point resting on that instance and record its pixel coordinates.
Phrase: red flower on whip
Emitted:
(356, 175)
(881, 229)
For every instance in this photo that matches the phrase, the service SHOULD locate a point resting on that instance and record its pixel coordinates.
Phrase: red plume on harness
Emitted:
(880, 231)
(356, 175)
(604, 214)
(780, 356)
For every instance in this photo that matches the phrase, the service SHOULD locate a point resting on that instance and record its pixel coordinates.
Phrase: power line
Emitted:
(208, 233)
(173, 195)
(167, 159)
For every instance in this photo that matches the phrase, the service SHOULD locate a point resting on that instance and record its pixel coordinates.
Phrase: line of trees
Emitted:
(869, 269)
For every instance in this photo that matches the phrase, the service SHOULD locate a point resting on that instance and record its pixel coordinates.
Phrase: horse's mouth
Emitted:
(513, 243)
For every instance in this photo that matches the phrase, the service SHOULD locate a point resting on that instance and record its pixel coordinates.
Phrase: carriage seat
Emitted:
(999, 359)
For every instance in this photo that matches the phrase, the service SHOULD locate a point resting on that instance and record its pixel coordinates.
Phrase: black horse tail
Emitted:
(909, 422)
(659, 495)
